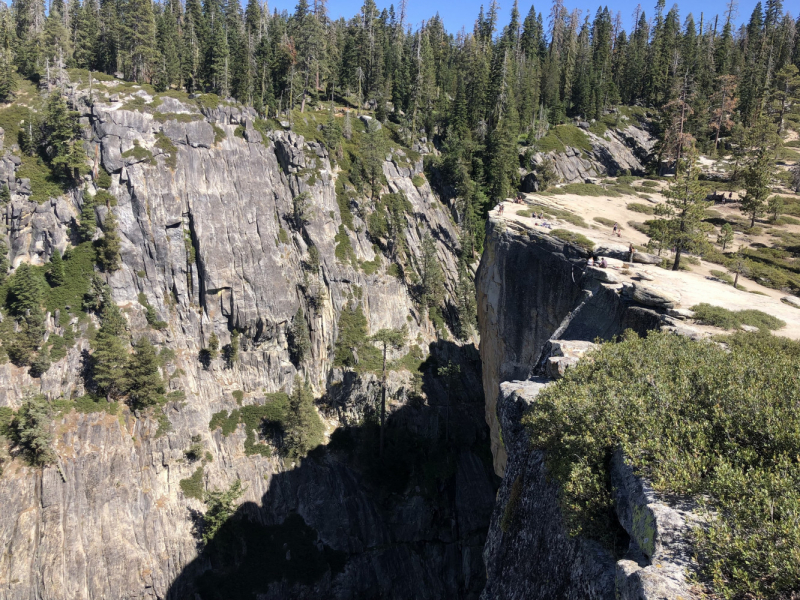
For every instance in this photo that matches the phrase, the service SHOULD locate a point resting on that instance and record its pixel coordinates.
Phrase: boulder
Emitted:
(617, 251)
(556, 366)
(645, 258)
(792, 300)
(681, 313)
(575, 348)
(748, 328)
(603, 275)
(651, 296)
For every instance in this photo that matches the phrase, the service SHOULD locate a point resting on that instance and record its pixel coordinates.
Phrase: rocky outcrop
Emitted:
(620, 150)
(539, 310)
(209, 237)
(533, 288)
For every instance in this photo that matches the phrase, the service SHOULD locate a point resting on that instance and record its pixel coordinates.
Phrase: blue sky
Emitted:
(462, 13)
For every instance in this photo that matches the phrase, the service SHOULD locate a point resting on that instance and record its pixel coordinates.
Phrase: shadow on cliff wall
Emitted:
(346, 523)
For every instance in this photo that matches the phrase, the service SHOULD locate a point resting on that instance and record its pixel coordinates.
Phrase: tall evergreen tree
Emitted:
(142, 379)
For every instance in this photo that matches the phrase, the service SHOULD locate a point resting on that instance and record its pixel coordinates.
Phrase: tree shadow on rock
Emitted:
(348, 523)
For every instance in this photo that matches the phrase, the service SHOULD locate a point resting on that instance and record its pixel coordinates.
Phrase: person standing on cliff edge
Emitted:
(630, 250)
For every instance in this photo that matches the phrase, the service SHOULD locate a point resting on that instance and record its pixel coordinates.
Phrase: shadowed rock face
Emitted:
(531, 286)
(120, 525)
(345, 524)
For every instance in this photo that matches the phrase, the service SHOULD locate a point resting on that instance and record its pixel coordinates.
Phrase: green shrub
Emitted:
(138, 153)
(150, 313)
(238, 395)
(638, 207)
(724, 276)
(728, 319)
(573, 237)
(697, 421)
(239, 131)
(192, 487)
(418, 180)
(219, 133)
(224, 421)
(45, 182)
(344, 249)
(649, 184)
(283, 237)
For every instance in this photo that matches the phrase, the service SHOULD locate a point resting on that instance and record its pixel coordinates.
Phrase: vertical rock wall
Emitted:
(118, 525)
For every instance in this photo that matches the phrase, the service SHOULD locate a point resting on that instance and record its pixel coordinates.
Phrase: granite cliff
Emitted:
(207, 210)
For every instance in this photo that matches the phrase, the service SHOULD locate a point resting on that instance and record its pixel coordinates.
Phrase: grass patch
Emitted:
(587, 189)
(418, 180)
(138, 153)
(557, 213)
(607, 222)
(698, 421)
(561, 136)
(638, 207)
(729, 319)
(573, 237)
(169, 149)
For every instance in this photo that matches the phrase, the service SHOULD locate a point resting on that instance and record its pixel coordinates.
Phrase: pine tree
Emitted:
(33, 428)
(142, 379)
(299, 338)
(25, 292)
(85, 24)
(303, 425)
(168, 65)
(387, 338)
(60, 130)
(432, 278)
(137, 39)
(373, 153)
(108, 246)
(758, 175)
(110, 353)
(88, 220)
(466, 303)
(684, 209)
(725, 236)
(8, 77)
(55, 272)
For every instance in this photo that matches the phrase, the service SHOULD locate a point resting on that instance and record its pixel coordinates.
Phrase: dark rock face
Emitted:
(529, 552)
